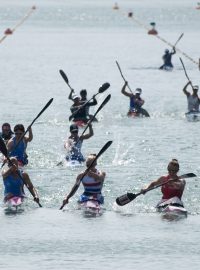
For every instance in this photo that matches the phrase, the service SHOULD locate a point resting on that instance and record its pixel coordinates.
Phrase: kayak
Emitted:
(91, 208)
(193, 116)
(166, 68)
(172, 208)
(134, 114)
(14, 204)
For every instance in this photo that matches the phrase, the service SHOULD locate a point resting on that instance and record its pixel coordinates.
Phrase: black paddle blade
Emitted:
(62, 73)
(126, 198)
(104, 87)
(3, 148)
(188, 175)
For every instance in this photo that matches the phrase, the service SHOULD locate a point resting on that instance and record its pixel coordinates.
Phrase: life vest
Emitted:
(13, 186)
(20, 151)
(169, 192)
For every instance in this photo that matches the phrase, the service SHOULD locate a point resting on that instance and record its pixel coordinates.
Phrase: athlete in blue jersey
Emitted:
(74, 143)
(136, 102)
(14, 180)
(17, 146)
(167, 58)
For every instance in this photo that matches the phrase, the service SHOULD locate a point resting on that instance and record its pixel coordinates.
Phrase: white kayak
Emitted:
(193, 116)
(172, 208)
(91, 208)
(14, 205)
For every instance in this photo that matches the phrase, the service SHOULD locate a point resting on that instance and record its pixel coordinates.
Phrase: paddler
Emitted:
(82, 113)
(136, 102)
(167, 57)
(193, 99)
(17, 146)
(92, 182)
(6, 133)
(173, 188)
(74, 143)
(13, 183)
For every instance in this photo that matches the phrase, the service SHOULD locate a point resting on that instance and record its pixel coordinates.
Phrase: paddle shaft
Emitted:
(185, 70)
(178, 39)
(103, 149)
(123, 76)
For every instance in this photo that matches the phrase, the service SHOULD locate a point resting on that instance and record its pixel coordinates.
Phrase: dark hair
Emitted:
(83, 92)
(19, 127)
(174, 162)
(6, 124)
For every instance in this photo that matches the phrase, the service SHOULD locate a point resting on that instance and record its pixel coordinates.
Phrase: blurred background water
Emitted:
(85, 38)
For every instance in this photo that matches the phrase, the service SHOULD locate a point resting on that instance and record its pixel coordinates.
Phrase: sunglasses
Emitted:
(173, 170)
(18, 133)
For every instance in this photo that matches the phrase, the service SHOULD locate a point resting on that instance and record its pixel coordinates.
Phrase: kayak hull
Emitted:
(91, 208)
(172, 209)
(193, 116)
(14, 204)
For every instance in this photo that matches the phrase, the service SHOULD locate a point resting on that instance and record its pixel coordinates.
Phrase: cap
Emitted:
(74, 96)
(138, 90)
(196, 87)
(166, 51)
(73, 127)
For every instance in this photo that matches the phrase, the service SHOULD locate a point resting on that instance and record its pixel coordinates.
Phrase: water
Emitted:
(85, 38)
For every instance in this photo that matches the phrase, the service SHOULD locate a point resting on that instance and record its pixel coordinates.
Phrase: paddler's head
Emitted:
(19, 130)
(173, 166)
(74, 129)
(83, 93)
(195, 89)
(90, 159)
(138, 91)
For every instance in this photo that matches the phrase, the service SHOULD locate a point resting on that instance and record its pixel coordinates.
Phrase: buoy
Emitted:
(115, 6)
(153, 31)
(130, 14)
(8, 31)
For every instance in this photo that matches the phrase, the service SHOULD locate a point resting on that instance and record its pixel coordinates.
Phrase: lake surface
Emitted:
(85, 38)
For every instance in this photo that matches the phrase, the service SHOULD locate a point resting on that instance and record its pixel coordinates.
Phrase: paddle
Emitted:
(62, 73)
(103, 149)
(123, 76)
(128, 197)
(102, 89)
(185, 70)
(93, 117)
(178, 39)
(4, 151)
(45, 107)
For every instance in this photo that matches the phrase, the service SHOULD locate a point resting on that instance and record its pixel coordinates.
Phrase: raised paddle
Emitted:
(4, 151)
(45, 107)
(103, 149)
(185, 71)
(178, 39)
(64, 76)
(128, 197)
(93, 117)
(123, 76)
(102, 89)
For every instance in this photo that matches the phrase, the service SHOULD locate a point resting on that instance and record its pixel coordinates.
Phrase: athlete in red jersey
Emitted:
(173, 188)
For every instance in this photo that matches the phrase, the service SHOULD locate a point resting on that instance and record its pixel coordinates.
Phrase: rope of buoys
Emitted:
(9, 31)
(162, 39)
